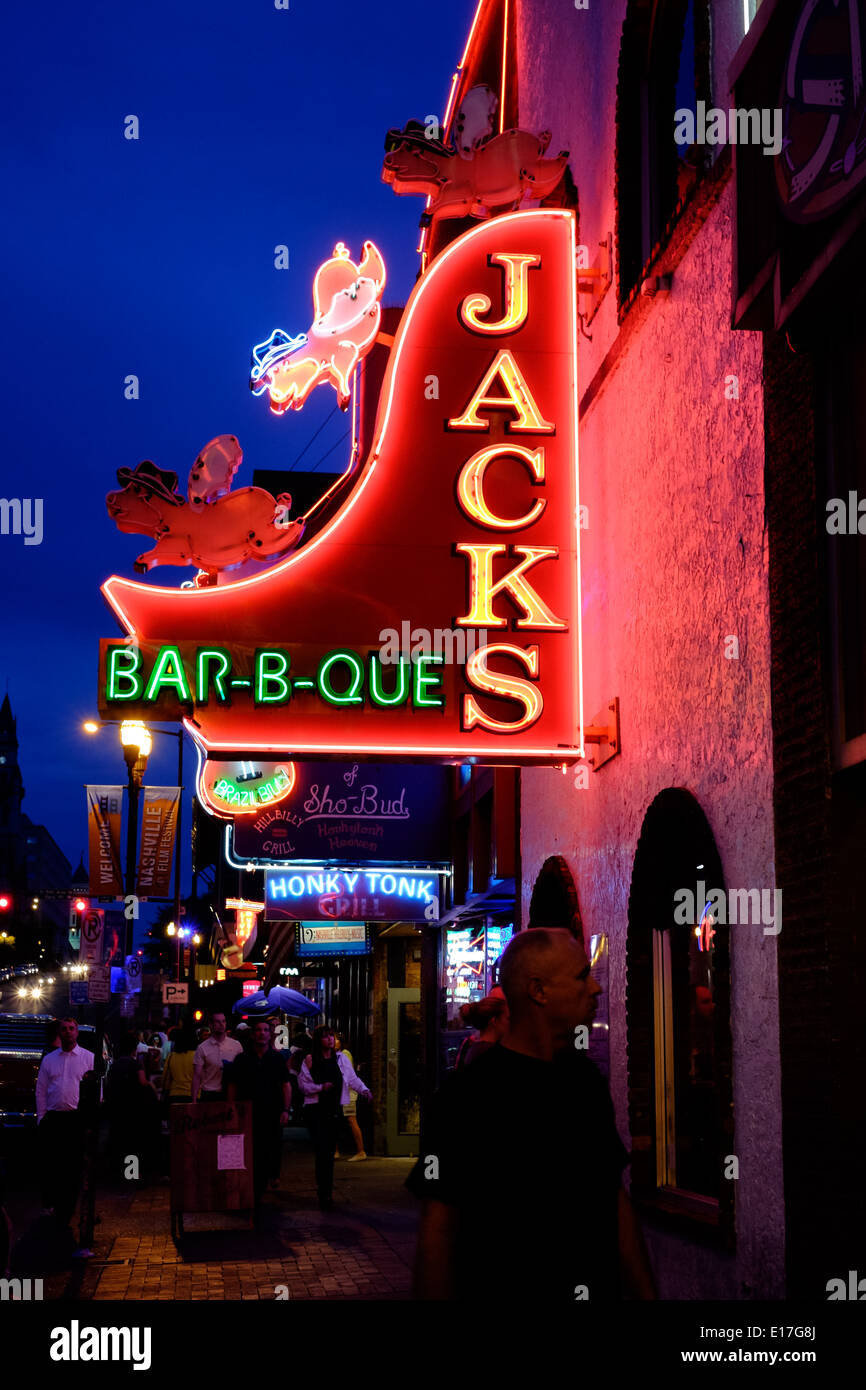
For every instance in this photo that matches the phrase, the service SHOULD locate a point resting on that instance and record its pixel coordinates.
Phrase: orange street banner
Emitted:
(103, 821)
(158, 829)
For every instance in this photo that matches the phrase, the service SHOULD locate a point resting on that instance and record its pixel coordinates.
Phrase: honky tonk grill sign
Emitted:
(464, 515)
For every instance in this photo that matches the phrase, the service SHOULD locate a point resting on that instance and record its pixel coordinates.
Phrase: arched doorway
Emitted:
(554, 898)
(678, 1013)
(554, 903)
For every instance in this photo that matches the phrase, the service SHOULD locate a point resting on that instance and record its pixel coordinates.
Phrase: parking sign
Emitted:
(92, 927)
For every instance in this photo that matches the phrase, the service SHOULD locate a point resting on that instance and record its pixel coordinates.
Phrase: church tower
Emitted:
(11, 783)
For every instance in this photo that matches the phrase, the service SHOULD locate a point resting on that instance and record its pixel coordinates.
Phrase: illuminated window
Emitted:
(663, 68)
(677, 1001)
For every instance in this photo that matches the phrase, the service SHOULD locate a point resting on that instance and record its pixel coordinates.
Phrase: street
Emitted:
(361, 1250)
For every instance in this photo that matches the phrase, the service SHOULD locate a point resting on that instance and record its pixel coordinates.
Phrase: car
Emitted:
(22, 1044)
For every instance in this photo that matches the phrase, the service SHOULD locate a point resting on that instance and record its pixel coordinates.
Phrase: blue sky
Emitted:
(155, 257)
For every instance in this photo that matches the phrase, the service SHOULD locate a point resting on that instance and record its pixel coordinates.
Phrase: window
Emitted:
(663, 67)
(678, 982)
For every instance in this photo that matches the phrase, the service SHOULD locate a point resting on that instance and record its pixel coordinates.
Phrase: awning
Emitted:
(499, 900)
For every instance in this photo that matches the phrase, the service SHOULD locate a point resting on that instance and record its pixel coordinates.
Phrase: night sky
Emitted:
(258, 127)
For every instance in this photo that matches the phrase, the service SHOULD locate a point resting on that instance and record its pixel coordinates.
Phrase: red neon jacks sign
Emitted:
(463, 519)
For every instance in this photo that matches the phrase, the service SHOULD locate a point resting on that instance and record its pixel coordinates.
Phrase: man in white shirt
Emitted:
(60, 1123)
(211, 1057)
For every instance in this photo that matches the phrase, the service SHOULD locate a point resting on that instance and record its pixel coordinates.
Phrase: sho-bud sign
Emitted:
(347, 812)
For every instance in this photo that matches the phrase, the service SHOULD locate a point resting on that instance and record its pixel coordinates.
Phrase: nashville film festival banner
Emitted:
(158, 829)
(103, 819)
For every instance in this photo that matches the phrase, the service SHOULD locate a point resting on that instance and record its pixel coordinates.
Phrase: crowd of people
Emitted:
(557, 1172)
(312, 1083)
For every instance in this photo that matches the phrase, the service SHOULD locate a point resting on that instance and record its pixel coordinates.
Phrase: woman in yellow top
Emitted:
(177, 1076)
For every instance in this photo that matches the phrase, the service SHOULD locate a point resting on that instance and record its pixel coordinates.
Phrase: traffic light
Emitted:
(5, 902)
(76, 912)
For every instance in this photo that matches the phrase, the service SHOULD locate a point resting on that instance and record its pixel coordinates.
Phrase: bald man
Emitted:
(520, 1165)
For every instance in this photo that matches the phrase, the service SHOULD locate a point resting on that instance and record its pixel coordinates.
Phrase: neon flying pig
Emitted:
(215, 528)
(475, 177)
(347, 316)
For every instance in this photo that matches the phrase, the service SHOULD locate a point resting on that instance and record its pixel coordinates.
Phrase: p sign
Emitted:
(175, 993)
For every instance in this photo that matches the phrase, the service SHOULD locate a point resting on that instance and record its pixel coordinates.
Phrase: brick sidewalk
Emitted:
(361, 1250)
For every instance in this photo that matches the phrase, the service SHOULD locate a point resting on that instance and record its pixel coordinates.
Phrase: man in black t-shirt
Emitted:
(520, 1161)
(261, 1076)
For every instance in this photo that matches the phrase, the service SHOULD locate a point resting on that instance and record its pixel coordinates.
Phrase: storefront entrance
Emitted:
(403, 1072)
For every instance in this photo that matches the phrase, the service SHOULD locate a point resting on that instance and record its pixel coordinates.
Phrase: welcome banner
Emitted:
(103, 822)
(158, 829)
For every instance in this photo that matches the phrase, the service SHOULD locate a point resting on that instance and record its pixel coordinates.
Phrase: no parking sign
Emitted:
(92, 928)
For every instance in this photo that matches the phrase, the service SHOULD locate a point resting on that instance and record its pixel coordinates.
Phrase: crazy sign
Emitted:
(462, 517)
(240, 788)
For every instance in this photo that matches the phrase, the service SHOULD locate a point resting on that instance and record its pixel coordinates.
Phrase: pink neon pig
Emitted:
(347, 317)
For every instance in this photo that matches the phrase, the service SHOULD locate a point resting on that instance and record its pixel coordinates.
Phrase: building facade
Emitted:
(719, 418)
(31, 864)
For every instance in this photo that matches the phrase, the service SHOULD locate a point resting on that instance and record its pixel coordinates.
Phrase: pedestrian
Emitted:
(490, 1017)
(296, 1061)
(60, 1122)
(278, 1033)
(326, 1078)
(178, 1072)
(260, 1075)
(551, 1199)
(153, 1062)
(301, 1042)
(350, 1109)
(132, 1107)
(212, 1059)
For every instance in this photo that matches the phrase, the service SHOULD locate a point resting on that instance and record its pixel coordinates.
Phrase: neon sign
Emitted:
(360, 894)
(246, 919)
(341, 678)
(243, 788)
(289, 658)
(347, 316)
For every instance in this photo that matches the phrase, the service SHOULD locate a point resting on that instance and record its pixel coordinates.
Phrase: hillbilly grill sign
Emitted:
(463, 516)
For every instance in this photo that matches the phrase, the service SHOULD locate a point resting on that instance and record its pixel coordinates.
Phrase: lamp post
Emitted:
(137, 744)
(93, 727)
(172, 930)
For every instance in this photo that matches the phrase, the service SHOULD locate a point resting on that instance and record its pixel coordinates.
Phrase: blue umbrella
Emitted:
(291, 1001)
(253, 1004)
